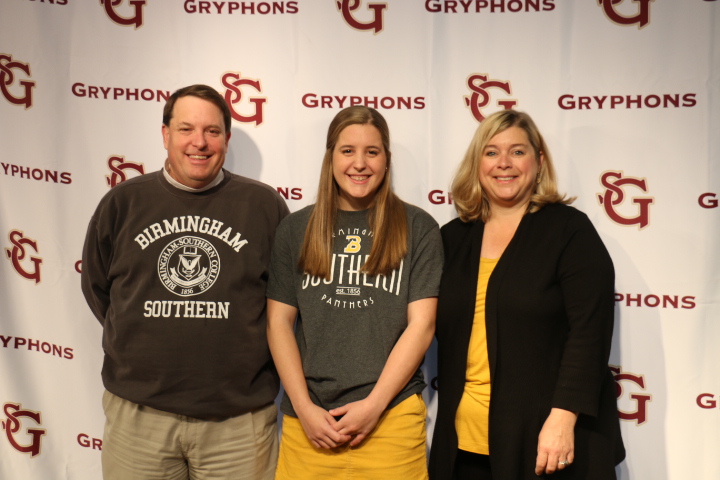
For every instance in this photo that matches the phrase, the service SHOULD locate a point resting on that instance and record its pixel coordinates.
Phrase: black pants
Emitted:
(471, 466)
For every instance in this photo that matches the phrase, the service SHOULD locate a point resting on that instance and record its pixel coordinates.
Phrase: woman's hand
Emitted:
(556, 442)
(359, 419)
(320, 427)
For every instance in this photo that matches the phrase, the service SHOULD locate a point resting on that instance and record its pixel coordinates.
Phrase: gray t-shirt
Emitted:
(348, 325)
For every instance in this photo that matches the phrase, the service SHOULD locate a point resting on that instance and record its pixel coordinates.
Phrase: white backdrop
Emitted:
(626, 92)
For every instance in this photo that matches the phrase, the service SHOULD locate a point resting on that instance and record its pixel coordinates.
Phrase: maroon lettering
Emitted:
(708, 200)
(706, 400)
(614, 196)
(347, 7)
(479, 99)
(233, 82)
(639, 414)
(7, 79)
(17, 254)
(14, 413)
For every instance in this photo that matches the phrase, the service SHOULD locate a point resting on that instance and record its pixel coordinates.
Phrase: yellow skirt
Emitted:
(395, 449)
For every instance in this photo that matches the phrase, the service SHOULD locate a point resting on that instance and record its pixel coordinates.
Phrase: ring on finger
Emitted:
(563, 463)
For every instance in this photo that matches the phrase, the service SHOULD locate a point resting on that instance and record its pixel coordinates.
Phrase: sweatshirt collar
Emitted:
(218, 178)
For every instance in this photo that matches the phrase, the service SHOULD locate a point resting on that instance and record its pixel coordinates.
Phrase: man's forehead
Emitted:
(189, 109)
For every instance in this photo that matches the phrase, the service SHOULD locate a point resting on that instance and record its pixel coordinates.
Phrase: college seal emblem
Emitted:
(188, 266)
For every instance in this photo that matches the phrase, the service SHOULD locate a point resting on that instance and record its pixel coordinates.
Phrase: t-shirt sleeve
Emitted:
(283, 267)
(427, 257)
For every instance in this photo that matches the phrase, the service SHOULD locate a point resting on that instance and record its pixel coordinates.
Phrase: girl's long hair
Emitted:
(386, 216)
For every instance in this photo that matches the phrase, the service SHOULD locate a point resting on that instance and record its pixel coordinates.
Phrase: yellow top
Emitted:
(471, 419)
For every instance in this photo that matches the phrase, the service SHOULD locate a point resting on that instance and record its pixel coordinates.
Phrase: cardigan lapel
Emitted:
(470, 284)
(462, 278)
(494, 287)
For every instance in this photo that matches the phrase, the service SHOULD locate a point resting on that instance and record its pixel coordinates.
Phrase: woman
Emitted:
(525, 319)
(360, 271)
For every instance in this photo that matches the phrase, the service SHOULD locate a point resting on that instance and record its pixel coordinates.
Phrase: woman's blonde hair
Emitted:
(471, 202)
(386, 215)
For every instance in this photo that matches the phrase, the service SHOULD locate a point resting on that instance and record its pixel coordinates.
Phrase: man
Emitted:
(174, 268)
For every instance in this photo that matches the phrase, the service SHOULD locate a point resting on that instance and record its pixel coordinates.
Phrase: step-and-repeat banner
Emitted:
(627, 93)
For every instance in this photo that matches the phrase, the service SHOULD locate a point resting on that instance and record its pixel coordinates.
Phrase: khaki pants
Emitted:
(141, 443)
(394, 450)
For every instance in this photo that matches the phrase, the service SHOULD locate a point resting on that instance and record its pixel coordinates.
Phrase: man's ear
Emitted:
(166, 135)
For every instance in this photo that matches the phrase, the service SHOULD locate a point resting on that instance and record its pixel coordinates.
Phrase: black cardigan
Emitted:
(549, 319)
